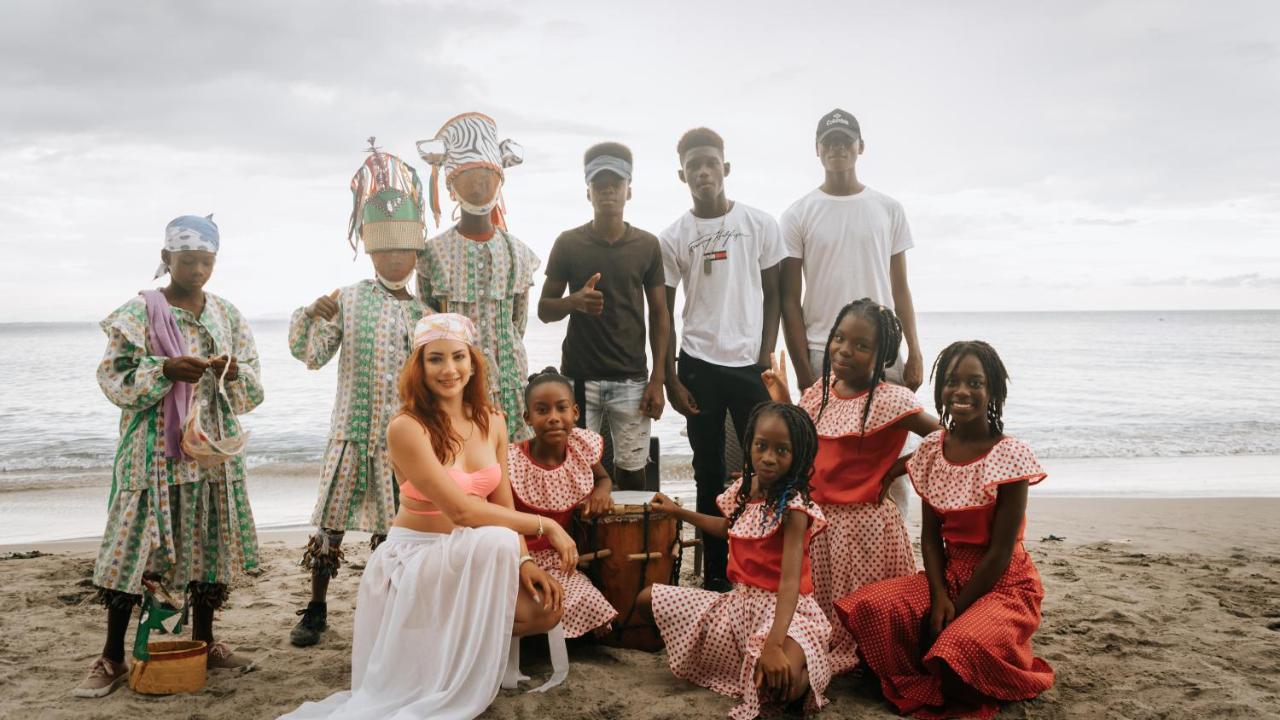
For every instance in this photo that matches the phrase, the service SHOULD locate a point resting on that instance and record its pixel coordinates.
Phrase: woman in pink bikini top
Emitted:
(448, 448)
(454, 574)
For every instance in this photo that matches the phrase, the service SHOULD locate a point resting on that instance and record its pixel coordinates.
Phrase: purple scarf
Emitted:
(168, 342)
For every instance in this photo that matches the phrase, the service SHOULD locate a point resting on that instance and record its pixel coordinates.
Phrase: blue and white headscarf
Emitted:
(189, 232)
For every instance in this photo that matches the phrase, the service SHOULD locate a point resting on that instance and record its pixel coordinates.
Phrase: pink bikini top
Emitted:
(479, 483)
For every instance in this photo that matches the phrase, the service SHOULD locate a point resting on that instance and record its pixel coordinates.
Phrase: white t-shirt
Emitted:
(845, 243)
(719, 261)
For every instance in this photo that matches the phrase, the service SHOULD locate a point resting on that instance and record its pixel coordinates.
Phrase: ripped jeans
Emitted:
(618, 403)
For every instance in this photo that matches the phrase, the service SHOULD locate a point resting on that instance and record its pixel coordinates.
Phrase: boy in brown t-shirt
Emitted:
(611, 269)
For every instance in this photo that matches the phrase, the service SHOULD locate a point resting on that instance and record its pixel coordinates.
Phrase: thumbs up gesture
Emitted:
(588, 299)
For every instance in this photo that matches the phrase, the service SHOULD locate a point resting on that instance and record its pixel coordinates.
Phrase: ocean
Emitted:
(1083, 385)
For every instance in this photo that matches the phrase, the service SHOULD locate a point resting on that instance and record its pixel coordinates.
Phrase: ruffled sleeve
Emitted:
(817, 521)
(527, 263)
(586, 445)
(758, 522)
(1011, 460)
(727, 501)
(131, 377)
(843, 416)
(921, 463)
(811, 399)
(950, 486)
(560, 488)
(245, 392)
(315, 341)
(442, 272)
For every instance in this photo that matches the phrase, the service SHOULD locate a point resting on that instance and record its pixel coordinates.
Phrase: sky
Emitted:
(1065, 156)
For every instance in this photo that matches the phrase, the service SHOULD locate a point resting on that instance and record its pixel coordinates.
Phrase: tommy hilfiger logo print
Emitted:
(714, 247)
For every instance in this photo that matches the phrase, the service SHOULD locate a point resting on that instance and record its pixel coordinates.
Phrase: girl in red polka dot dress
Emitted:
(862, 422)
(552, 473)
(765, 641)
(955, 640)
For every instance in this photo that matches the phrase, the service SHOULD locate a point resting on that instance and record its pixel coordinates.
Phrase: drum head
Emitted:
(632, 497)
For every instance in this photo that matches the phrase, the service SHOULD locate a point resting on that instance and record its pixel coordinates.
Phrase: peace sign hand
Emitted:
(775, 378)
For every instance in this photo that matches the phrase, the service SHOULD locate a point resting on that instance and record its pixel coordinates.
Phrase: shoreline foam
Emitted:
(284, 495)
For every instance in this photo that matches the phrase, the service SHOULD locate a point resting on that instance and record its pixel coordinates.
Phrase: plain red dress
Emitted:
(554, 492)
(866, 541)
(989, 645)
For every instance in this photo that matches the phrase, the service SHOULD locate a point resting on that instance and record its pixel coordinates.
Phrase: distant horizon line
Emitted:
(279, 317)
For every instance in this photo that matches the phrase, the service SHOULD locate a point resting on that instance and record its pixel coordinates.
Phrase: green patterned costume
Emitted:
(168, 516)
(374, 331)
(488, 281)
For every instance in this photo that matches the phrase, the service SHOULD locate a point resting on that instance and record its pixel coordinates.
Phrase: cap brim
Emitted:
(822, 135)
(611, 171)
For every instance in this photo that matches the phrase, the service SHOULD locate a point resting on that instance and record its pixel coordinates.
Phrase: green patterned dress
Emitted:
(488, 282)
(375, 332)
(166, 516)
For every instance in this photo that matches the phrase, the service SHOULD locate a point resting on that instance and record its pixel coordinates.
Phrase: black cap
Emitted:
(839, 121)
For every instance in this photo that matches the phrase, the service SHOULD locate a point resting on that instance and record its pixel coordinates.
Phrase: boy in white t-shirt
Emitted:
(847, 241)
(727, 256)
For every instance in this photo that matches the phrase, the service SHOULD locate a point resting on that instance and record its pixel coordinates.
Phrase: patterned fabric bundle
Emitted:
(387, 204)
(464, 142)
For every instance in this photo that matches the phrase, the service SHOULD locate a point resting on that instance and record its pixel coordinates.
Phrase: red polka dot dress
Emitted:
(988, 645)
(866, 540)
(554, 492)
(714, 639)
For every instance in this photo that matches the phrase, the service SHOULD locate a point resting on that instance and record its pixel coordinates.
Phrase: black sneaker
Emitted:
(315, 620)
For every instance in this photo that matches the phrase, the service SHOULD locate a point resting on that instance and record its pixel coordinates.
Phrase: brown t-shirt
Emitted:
(609, 346)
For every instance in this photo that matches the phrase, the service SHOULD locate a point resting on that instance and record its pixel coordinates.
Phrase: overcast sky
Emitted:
(1098, 155)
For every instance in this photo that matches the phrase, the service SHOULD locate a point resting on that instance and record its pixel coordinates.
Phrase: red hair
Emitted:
(417, 401)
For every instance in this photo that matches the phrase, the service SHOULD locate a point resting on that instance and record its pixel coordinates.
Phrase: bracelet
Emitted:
(524, 559)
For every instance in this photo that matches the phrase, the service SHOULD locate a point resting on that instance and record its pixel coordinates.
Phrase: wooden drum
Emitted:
(625, 552)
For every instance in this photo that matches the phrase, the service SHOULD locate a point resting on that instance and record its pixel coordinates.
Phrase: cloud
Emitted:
(282, 78)
(1246, 280)
(1104, 222)
(1126, 138)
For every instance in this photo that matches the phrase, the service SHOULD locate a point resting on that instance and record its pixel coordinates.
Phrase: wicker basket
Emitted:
(174, 667)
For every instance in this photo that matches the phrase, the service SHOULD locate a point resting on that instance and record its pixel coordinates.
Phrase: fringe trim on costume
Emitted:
(323, 555)
(116, 600)
(208, 595)
(375, 541)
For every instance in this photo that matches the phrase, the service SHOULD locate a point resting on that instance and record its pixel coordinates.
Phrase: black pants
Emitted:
(717, 389)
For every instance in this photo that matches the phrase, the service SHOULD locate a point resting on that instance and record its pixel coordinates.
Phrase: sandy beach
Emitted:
(1155, 608)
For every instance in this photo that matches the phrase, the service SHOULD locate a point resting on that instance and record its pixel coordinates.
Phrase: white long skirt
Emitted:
(433, 627)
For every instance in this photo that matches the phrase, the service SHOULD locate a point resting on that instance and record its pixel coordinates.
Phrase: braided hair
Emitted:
(888, 339)
(795, 482)
(992, 367)
(548, 375)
